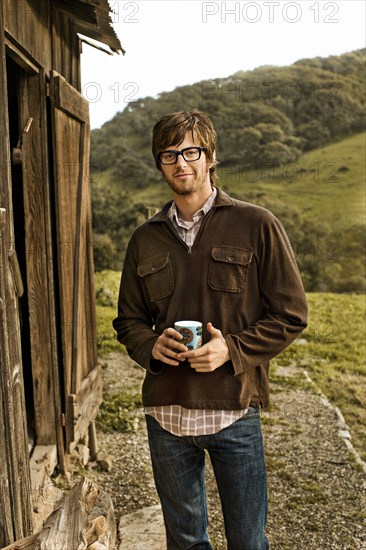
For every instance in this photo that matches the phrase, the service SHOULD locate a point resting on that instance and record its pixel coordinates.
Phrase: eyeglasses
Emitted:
(188, 153)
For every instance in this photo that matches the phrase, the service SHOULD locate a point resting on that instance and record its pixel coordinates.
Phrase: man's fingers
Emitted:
(166, 348)
(187, 354)
(167, 361)
(172, 333)
(215, 332)
(212, 330)
(166, 355)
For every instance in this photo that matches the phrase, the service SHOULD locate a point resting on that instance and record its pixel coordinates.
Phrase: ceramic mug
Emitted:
(191, 332)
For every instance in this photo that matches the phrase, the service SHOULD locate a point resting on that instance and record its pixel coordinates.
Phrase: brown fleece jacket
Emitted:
(240, 275)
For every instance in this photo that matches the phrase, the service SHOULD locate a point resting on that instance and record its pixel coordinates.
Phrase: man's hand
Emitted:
(166, 348)
(212, 355)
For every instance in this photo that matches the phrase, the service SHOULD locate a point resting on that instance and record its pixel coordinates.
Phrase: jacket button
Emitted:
(153, 269)
(231, 259)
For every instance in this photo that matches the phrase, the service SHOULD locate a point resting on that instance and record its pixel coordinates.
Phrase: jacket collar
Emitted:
(222, 199)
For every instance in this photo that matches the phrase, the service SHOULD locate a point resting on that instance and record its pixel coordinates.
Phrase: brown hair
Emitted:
(172, 128)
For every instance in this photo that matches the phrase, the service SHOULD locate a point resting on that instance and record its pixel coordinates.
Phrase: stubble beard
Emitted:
(186, 188)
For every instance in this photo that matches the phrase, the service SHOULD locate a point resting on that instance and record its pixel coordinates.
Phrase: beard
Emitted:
(194, 183)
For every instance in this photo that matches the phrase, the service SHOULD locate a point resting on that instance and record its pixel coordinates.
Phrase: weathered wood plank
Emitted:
(6, 527)
(35, 191)
(29, 543)
(56, 42)
(51, 268)
(81, 11)
(66, 131)
(17, 488)
(73, 210)
(90, 288)
(19, 57)
(83, 406)
(28, 23)
(79, 352)
(69, 100)
(82, 518)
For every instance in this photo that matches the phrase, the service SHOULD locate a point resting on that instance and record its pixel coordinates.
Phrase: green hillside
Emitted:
(328, 182)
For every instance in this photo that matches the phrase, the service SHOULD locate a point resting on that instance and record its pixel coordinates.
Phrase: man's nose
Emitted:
(181, 160)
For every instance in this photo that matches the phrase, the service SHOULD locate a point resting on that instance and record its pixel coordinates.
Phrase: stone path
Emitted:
(142, 530)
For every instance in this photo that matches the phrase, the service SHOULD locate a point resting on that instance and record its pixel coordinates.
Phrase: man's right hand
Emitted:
(167, 347)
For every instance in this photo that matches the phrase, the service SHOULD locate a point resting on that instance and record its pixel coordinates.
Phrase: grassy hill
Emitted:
(328, 182)
(265, 116)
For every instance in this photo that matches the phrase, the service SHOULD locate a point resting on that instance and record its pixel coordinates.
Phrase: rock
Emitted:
(143, 529)
(301, 341)
(84, 454)
(105, 461)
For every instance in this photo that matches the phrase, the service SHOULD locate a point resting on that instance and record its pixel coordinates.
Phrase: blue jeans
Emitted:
(237, 457)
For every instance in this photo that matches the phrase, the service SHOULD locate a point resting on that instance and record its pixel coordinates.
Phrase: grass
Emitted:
(333, 351)
(107, 287)
(118, 412)
(334, 355)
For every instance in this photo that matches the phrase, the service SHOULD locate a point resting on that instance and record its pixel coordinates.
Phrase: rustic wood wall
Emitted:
(46, 34)
(54, 158)
(15, 488)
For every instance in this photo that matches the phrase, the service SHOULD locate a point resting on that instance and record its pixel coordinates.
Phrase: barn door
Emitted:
(82, 378)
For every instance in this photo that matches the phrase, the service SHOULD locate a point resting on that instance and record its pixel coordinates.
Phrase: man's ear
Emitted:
(213, 162)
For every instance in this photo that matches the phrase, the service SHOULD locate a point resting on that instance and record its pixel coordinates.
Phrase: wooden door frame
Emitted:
(39, 257)
(82, 382)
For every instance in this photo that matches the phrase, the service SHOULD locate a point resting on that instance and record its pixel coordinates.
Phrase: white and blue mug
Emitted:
(191, 332)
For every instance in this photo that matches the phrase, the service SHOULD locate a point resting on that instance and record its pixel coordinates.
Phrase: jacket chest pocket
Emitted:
(156, 274)
(228, 268)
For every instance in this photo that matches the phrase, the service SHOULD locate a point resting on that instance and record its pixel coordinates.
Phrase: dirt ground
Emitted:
(316, 490)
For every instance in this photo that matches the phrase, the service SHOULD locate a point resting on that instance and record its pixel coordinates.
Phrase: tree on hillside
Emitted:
(115, 216)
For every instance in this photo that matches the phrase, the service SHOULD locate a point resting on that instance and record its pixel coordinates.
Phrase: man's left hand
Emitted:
(212, 355)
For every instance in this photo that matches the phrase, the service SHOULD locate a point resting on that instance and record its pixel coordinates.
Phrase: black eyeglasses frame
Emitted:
(177, 153)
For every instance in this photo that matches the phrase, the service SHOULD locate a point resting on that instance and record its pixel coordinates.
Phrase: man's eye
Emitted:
(191, 153)
(168, 156)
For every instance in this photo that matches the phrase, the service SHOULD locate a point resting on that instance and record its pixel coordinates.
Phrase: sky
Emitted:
(171, 43)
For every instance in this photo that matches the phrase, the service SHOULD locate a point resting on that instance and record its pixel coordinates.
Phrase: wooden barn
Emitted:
(50, 383)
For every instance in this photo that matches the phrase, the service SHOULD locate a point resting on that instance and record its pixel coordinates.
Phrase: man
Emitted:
(229, 264)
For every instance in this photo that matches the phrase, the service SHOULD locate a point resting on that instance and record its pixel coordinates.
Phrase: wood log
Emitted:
(83, 519)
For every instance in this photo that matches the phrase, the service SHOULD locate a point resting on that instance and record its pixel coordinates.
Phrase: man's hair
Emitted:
(172, 128)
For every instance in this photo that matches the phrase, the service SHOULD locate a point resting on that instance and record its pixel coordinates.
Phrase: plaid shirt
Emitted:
(174, 418)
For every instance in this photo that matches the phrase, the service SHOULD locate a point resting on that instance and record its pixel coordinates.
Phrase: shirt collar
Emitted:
(205, 208)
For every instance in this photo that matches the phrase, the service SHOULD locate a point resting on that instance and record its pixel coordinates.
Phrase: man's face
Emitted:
(185, 178)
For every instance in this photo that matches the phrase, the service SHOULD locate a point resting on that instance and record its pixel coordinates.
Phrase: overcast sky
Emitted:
(171, 43)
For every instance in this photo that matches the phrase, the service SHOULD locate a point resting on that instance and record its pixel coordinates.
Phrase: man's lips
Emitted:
(183, 174)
